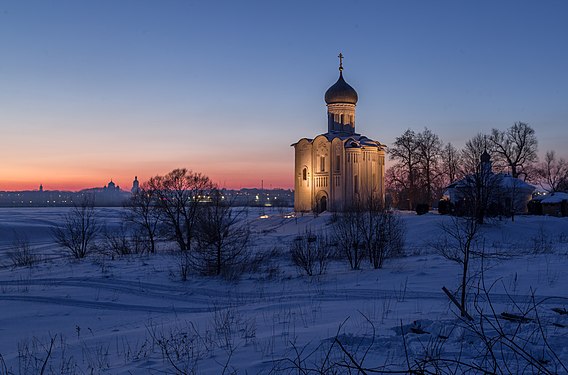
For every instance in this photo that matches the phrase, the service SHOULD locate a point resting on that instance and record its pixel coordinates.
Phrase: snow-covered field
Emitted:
(133, 315)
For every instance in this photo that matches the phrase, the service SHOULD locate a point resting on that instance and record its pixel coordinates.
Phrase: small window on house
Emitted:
(305, 174)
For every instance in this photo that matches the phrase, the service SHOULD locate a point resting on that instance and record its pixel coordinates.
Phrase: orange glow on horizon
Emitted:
(230, 180)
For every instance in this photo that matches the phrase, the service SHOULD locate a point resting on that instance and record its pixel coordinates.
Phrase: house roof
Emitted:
(554, 198)
(349, 140)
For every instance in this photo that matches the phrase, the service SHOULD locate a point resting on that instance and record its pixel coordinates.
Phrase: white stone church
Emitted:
(340, 168)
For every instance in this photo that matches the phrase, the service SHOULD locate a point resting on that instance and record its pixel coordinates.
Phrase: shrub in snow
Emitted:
(79, 230)
(184, 265)
(22, 254)
(541, 242)
(372, 233)
(534, 207)
(121, 242)
(386, 238)
(310, 253)
(348, 236)
(422, 208)
(445, 207)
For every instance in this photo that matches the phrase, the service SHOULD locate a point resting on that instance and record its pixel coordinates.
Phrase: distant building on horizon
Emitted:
(110, 195)
(135, 185)
(340, 168)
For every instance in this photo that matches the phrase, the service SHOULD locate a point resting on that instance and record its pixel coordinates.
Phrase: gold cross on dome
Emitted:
(340, 61)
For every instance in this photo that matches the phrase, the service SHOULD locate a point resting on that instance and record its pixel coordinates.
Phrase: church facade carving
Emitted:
(340, 168)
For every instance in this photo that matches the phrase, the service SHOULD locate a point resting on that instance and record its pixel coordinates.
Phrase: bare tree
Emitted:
(79, 229)
(179, 196)
(471, 153)
(479, 190)
(222, 239)
(145, 212)
(397, 186)
(429, 148)
(516, 148)
(405, 152)
(553, 173)
(458, 246)
(450, 159)
(480, 187)
(416, 175)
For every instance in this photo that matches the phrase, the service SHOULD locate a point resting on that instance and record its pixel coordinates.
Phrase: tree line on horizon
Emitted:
(425, 166)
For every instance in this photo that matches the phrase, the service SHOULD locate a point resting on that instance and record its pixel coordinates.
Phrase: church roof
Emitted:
(341, 92)
(502, 180)
(359, 140)
(349, 140)
(554, 198)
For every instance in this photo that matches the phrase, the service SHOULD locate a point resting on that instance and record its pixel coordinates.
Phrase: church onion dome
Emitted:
(341, 92)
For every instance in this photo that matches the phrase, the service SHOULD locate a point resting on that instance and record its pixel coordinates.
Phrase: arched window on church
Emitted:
(337, 163)
(322, 163)
(305, 174)
(342, 118)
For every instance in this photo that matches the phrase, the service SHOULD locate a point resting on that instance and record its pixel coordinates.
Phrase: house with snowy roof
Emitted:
(504, 194)
(554, 204)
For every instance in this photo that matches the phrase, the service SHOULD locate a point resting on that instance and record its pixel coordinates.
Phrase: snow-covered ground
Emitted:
(133, 315)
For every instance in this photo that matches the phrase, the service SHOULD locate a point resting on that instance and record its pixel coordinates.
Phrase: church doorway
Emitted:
(323, 204)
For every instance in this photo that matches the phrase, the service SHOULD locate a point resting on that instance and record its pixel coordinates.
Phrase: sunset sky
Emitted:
(94, 90)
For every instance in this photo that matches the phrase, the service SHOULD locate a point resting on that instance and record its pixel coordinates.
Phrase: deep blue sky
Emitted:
(93, 90)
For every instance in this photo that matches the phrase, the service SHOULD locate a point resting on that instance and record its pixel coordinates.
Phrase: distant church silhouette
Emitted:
(135, 185)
